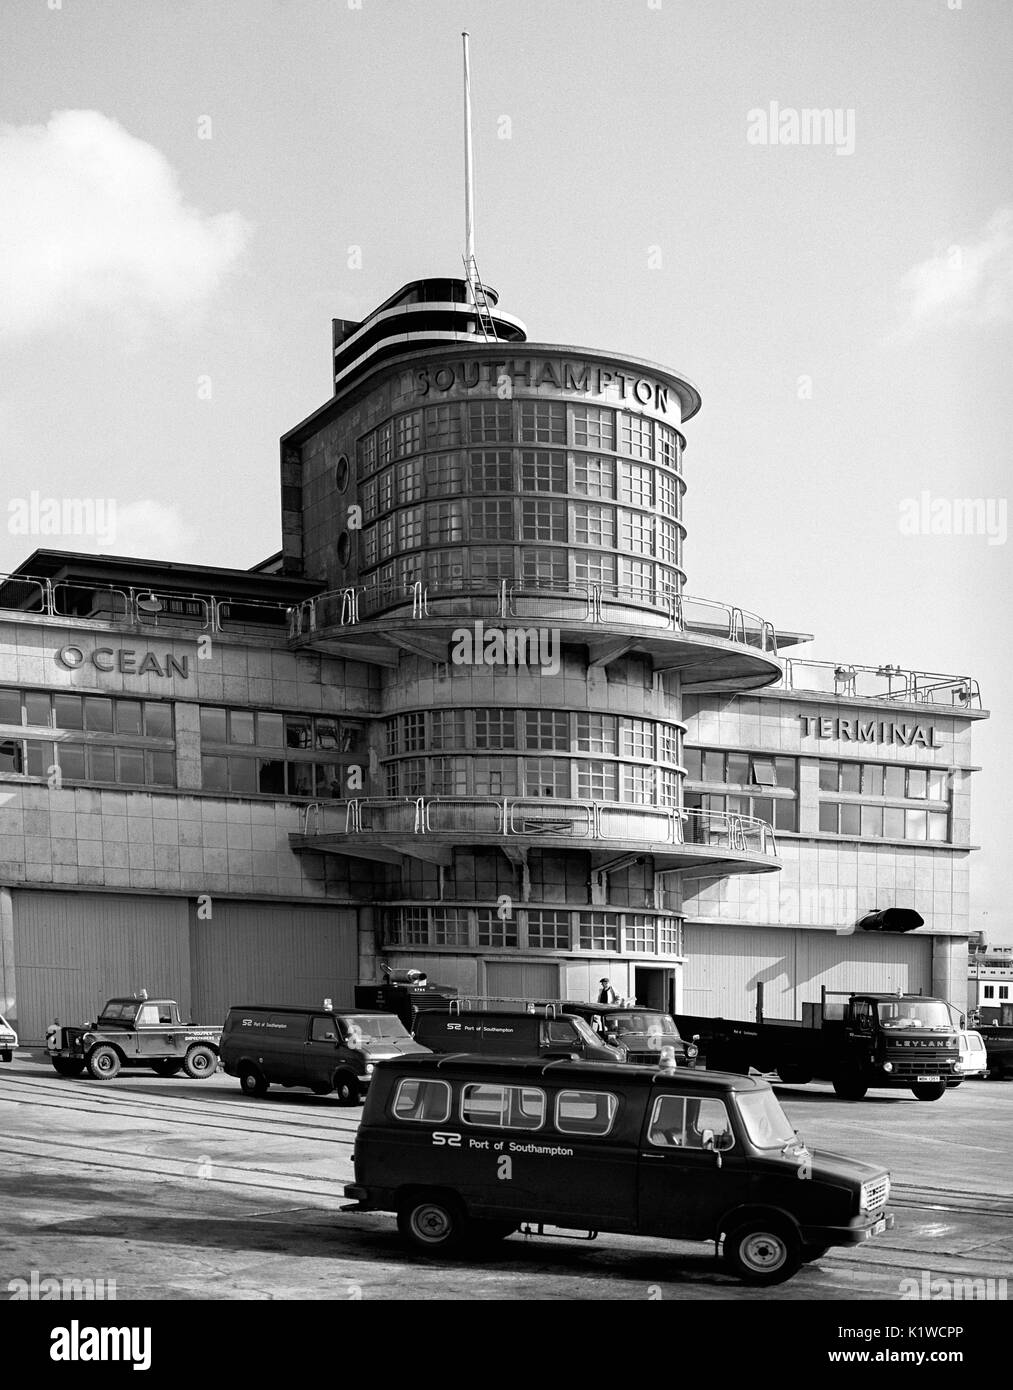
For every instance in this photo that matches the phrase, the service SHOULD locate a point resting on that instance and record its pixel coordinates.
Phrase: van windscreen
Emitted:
(375, 1028)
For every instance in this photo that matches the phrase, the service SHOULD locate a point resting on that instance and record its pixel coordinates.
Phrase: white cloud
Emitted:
(968, 283)
(149, 530)
(93, 222)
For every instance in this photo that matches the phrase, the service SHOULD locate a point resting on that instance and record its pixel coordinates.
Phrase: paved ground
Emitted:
(182, 1189)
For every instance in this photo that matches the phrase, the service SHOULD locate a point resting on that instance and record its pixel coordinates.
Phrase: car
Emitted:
(8, 1040)
(467, 1149)
(324, 1050)
(134, 1032)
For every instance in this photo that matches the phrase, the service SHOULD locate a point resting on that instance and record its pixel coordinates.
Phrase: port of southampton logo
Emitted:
(534, 647)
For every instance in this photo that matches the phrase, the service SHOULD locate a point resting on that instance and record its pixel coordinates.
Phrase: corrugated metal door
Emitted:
(73, 951)
(521, 980)
(258, 953)
(725, 964)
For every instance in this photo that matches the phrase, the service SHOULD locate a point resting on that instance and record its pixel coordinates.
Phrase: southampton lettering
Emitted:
(535, 373)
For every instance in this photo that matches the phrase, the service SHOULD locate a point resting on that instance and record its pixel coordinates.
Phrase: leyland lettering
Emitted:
(535, 372)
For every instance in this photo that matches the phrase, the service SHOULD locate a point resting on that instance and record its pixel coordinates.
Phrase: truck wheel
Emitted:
(433, 1223)
(201, 1061)
(251, 1082)
(794, 1076)
(346, 1088)
(850, 1087)
(762, 1251)
(929, 1090)
(167, 1067)
(67, 1066)
(104, 1062)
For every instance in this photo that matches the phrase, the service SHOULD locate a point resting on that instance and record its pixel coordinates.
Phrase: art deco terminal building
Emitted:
(469, 720)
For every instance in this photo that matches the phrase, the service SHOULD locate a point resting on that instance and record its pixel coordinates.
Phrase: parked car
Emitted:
(468, 1149)
(8, 1040)
(324, 1050)
(973, 1054)
(135, 1032)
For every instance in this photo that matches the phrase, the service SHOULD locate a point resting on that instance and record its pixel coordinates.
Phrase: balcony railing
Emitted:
(880, 683)
(593, 604)
(130, 607)
(512, 817)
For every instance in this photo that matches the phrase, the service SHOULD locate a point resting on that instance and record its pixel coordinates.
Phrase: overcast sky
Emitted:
(192, 190)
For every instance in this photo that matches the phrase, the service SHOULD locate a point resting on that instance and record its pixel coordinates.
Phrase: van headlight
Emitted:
(692, 1050)
(369, 1068)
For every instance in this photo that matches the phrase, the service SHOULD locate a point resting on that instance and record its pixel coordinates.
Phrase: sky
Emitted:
(192, 190)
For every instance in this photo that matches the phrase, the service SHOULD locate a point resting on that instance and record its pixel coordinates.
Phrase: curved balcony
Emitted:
(429, 828)
(713, 645)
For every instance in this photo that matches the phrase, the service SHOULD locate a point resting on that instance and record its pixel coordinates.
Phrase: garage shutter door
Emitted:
(73, 951)
(255, 953)
(521, 980)
(725, 964)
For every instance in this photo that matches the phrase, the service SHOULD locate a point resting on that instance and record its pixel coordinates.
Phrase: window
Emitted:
(598, 931)
(639, 933)
(449, 776)
(492, 470)
(384, 444)
(447, 729)
(445, 474)
(409, 528)
(635, 484)
(443, 426)
(367, 454)
(548, 930)
(492, 521)
(490, 421)
(595, 477)
(598, 781)
(494, 931)
(594, 427)
(545, 567)
(636, 738)
(596, 733)
(637, 578)
(446, 522)
(491, 563)
(450, 926)
(547, 729)
(637, 436)
(422, 1100)
(638, 784)
(543, 521)
(385, 491)
(495, 776)
(408, 433)
(542, 471)
(546, 777)
(594, 525)
(636, 532)
(413, 732)
(543, 422)
(495, 728)
(506, 1107)
(681, 1121)
(409, 481)
(446, 569)
(370, 547)
(668, 494)
(669, 447)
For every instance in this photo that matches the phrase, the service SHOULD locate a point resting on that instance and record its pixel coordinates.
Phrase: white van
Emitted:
(8, 1040)
(973, 1054)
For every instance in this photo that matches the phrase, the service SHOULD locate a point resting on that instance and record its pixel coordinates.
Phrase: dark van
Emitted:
(643, 1032)
(467, 1148)
(323, 1050)
(512, 1035)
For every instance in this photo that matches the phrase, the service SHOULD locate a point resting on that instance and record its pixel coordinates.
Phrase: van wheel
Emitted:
(251, 1083)
(929, 1090)
(346, 1088)
(167, 1067)
(104, 1062)
(850, 1086)
(201, 1061)
(763, 1251)
(432, 1223)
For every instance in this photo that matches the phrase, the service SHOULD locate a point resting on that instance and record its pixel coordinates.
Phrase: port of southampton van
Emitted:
(323, 1050)
(467, 1148)
(512, 1035)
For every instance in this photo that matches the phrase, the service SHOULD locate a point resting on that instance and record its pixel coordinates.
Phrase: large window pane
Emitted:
(10, 707)
(243, 774)
(103, 764)
(829, 777)
(215, 774)
(851, 820)
(161, 769)
(11, 756)
(828, 817)
(270, 730)
(131, 765)
(38, 709)
(68, 711)
(241, 727)
(917, 783)
(128, 718)
(70, 756)
(98, 714)
(893, 782)
(893, 823)
(872, 779)
(851, 777)
(42, 756)
(157, 719)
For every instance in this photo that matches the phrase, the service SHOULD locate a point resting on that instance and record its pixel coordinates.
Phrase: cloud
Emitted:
(970, 283)
(93, 223)
(149, 530)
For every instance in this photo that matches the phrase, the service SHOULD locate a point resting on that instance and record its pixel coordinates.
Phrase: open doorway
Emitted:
(654, 987)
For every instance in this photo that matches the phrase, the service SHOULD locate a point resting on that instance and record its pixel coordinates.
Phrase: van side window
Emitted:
(585, 1112)
(506, 1107)
(422, 1100)
(558, 1030)
(324, 1030)
(680, 1121)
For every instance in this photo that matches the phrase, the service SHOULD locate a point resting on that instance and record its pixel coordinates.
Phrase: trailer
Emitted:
(854, 1040)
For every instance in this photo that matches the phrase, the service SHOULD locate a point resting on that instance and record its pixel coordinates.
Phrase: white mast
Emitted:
(469, 191)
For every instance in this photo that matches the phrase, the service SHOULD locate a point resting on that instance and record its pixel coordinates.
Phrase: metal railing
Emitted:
(593, 604)
(511, 816)
(850, 681)
(132, 607)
